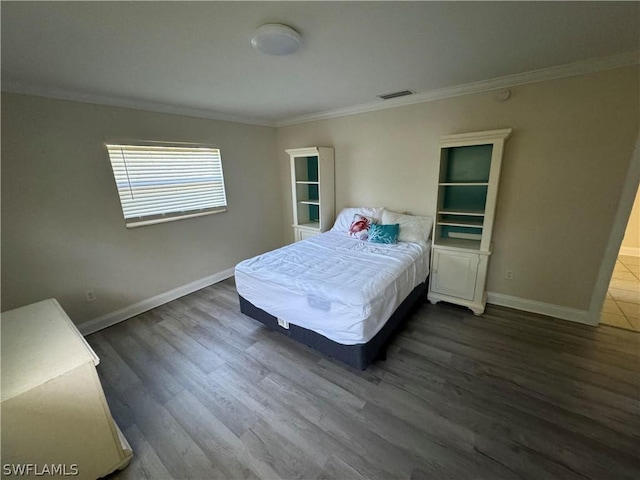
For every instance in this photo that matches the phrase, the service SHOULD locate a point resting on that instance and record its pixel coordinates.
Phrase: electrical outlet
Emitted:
(90, 296)
(508, 274)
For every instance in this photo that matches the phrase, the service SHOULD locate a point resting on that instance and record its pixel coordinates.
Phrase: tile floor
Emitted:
(622, 305)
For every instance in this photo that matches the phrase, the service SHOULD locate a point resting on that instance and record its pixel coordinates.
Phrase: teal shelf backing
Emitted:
(312, 169)
(314, 213)
(447, 231)
(314, 193)
(473, 198)
(466, 164)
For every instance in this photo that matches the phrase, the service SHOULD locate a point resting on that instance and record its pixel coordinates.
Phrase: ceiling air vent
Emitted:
(389, 96)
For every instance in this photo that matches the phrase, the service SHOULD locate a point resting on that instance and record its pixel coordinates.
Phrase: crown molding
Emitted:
(62, 94)
(561, 71)
(475, 138)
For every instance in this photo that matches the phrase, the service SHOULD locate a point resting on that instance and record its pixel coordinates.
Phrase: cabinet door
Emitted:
(454, 273)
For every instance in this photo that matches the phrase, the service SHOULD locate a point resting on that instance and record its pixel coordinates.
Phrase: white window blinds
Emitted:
(163, 183)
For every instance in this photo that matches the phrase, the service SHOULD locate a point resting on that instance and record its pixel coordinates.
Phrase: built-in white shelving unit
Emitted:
(467, 193)
(313, 191)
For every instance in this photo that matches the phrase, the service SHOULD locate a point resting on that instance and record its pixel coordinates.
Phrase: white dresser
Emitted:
(54, 413)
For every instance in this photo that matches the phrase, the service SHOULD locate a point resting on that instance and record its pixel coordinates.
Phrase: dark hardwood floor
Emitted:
(201, 391)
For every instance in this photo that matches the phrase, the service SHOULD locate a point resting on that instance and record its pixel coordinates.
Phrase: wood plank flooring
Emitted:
(203, 392)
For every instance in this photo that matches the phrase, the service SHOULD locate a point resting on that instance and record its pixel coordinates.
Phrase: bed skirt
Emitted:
(358, 356)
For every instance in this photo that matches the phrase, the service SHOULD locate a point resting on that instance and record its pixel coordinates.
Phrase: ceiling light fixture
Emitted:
(276, 39)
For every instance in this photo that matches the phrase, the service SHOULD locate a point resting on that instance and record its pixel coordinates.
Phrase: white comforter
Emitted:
(333, 284)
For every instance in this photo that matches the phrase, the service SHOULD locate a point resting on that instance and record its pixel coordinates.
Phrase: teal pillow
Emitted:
(384, 233)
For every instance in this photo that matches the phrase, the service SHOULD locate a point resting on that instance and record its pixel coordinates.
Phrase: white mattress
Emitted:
(338, 286)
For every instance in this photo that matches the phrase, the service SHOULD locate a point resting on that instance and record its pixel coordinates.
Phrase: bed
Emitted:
(337, 292)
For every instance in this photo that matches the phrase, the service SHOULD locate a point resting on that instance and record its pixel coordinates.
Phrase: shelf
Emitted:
(464, 184)
(311, 225)
(462, 223)
(458, 243)
(465, 235)
(470, 213)
(312, 190)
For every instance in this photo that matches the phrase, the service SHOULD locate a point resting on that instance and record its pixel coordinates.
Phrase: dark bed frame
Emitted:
(358, 356)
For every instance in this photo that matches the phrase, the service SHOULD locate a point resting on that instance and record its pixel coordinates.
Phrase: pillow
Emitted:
(412, 227)
(345, 217)
(384, 233)
(359, 228)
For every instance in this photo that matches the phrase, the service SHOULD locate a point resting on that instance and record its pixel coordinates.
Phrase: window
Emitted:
(161, 183)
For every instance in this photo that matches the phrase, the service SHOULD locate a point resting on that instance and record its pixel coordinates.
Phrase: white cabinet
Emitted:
(467, 193)
(302, 233)
(312, 189)
(54, 413)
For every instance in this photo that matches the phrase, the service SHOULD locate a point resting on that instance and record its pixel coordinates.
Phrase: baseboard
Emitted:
(631, 251)
(556, 311)
(125, 313)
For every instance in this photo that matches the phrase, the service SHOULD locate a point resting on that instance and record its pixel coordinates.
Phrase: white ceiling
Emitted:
(197, 55)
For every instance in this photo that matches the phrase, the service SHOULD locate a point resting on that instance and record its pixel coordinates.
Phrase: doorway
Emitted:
(617, 290)
(621, 306)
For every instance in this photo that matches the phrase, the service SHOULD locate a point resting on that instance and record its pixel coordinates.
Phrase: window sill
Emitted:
(142, 222)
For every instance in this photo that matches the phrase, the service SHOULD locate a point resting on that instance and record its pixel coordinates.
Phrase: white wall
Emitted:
(563, 170)
(63, 232)
(62, 227)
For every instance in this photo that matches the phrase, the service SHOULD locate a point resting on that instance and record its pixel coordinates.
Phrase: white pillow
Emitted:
(345, 217)
(413, 228)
